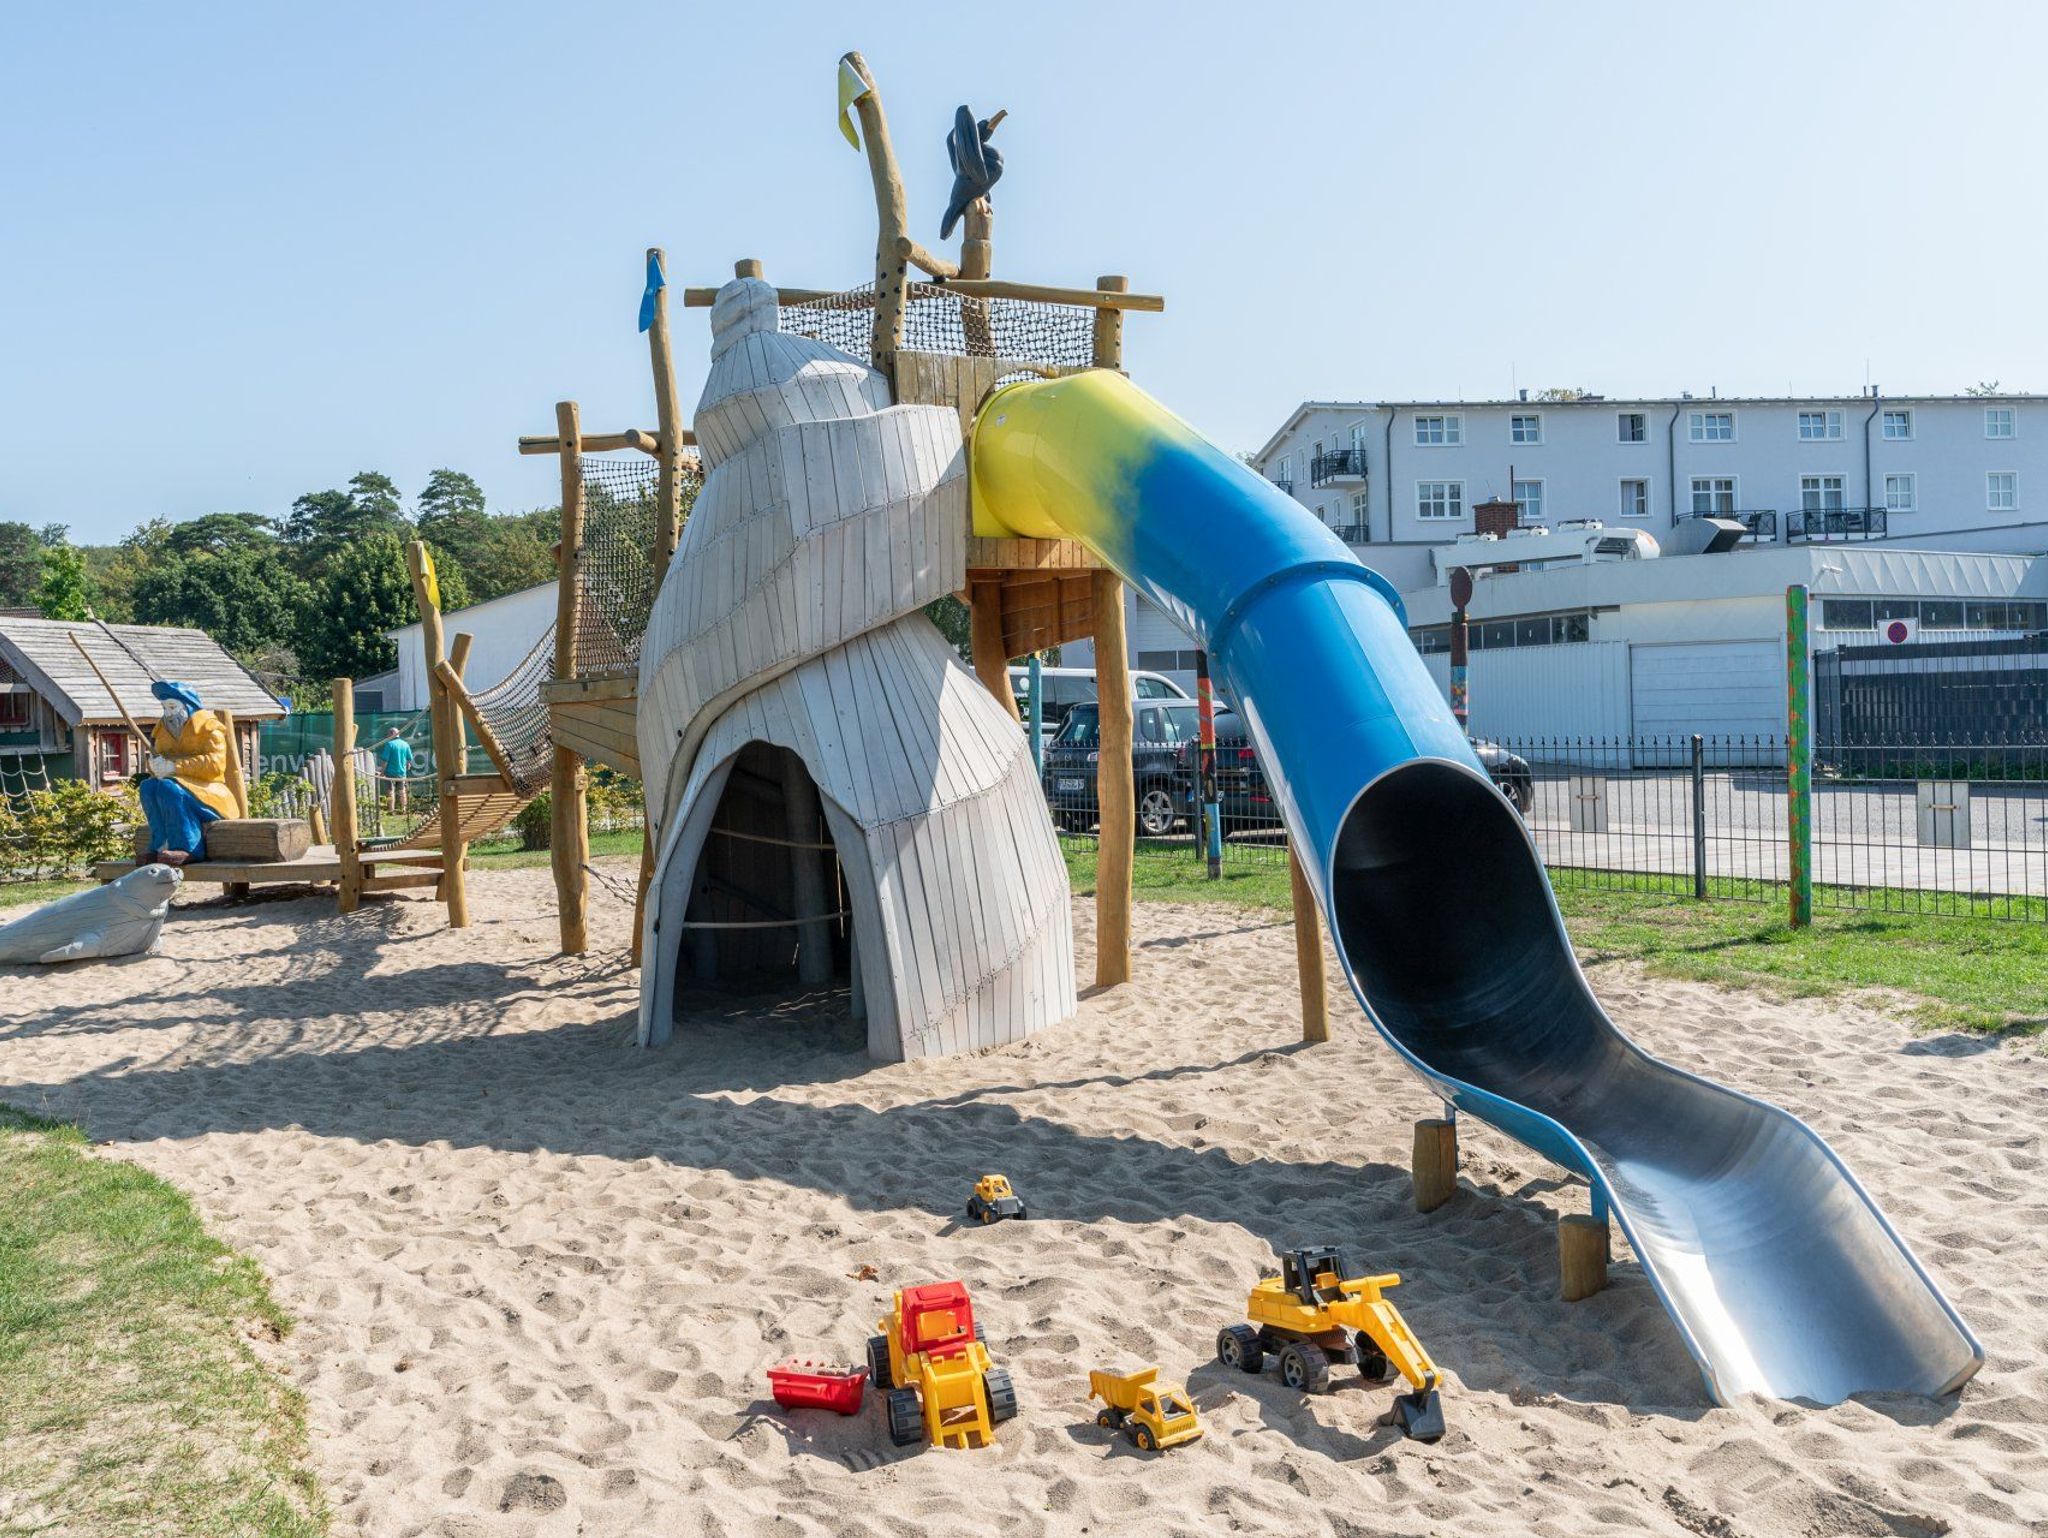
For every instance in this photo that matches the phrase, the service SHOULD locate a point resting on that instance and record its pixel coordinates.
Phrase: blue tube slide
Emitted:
(1778, 1269)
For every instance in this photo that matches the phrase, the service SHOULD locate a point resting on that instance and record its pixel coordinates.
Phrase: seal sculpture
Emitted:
(124, 918)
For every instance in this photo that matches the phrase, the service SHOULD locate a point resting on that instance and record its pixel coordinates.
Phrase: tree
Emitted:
(362, 593)
(450, 495)
(1562, 393)
(243, 593)
(1983, 387)
(218, 532)
(376, 498)
(21, 566)
(323, 522)
(65, 593)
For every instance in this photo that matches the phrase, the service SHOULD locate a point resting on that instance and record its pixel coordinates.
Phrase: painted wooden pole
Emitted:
(1115, 790)
(1461, 640)
(1034, 715)
(1205, 779)
(1308, 952)
(342, 797)
(1799, 755)
(569, 841)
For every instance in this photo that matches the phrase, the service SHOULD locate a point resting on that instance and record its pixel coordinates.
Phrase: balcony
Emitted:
(1835, 525)
(1286, 487)
(1336, 465)
(1762, 522)
(1352, 533)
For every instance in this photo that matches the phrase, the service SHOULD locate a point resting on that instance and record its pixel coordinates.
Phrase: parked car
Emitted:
(1061, 689)
(1159, 728)
(1509, 772)
(1244, 798)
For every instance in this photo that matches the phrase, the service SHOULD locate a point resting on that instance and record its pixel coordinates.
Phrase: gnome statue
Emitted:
(188, 785)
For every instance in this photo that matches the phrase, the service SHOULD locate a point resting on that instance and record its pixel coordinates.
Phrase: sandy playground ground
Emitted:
(539, 1274)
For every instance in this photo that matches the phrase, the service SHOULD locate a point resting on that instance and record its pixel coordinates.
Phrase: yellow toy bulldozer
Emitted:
(1302, 1316)
(936, 1378)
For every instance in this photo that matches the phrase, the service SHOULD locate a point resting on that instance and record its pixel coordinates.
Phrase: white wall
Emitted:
(506, 629)
(1545, 691)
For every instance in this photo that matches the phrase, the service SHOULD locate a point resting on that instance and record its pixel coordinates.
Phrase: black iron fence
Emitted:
(1988, 698)
(1834, 525)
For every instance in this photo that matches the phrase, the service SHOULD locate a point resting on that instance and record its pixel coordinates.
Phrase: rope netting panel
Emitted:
(620, 509)
(937, 319)
(518, 717)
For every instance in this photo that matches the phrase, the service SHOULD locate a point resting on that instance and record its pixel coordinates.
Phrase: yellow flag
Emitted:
(851, 89)
(427, 578)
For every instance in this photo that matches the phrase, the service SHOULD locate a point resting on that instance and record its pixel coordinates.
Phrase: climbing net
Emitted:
(21, 773)
(518, 717)
(620, 509)
(942, 320)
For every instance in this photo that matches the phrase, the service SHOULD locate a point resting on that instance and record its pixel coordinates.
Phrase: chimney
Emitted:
(1496, 516)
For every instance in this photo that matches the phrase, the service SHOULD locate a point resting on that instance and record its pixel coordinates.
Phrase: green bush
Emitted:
(50, 832)
(612, 800)
(278, 794)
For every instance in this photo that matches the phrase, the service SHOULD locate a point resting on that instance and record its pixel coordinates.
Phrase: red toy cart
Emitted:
(800, 1384)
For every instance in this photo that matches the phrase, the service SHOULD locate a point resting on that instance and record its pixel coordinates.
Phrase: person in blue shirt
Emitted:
(394, 762)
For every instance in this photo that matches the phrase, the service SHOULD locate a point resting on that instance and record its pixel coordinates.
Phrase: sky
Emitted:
(248, 251)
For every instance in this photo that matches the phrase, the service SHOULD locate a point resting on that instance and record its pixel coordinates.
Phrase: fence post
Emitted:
(1205, 772)
(1798, 755)
(1699, 816)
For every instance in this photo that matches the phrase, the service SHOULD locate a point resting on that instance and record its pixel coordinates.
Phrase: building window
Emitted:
(1635, 499)
(1713, 496)
(1711, 426)
(1820, 493)
(1898, 494)
(1525, 429)
(1530, 495)
(1999, 422)
(1439, 499)
(1358, 442)
(1632, 427)
(1933, 613)
(1360, 531)
(1437, 432)
(1898, 426)
(1820, 426)
(2002, 492)
(14, 710)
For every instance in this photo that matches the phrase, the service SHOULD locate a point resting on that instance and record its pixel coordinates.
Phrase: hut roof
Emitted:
(42, 655)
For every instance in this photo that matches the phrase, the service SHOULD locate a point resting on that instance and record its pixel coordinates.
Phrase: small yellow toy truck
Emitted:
(1152, 1414)
(1302, 1316)
(993, 1198)
(937, 1380)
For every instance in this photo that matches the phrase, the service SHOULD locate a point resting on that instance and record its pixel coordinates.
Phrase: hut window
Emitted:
(14, 710)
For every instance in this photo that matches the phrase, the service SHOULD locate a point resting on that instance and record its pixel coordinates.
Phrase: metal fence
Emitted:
(1936, 829)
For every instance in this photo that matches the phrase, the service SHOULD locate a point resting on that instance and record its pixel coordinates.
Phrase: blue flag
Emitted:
(657, 280)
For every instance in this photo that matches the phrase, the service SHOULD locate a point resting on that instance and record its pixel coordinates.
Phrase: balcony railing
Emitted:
(1761, 522)
(1285, 486)
(1834, 525)
(1336, 465)
(1352, 533)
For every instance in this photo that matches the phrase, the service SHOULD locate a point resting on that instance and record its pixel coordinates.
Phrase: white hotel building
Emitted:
(1930, 472)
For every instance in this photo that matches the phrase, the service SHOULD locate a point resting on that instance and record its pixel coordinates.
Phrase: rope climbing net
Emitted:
(518, 717)
(942, 320)
(616, 564)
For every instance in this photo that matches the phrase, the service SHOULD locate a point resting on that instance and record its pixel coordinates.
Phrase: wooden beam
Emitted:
(917, 256)
(493, 748)
(448, 741)
(892, 219)
(979, 288)
(669, 432)
(1116, 847)
(458, 652)
(1308, 952)
(985, 640)
(584, 691)
(237, 778)
(569, 845)
(601, 443)
(342, 795)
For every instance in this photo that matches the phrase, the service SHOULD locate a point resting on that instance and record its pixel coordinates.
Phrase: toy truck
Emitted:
(1152, 1414)
(993, 1199)
(1302, 1316)
(936, 1377)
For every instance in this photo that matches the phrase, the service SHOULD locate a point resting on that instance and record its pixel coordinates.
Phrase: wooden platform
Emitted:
(320, 863)
(595, 717)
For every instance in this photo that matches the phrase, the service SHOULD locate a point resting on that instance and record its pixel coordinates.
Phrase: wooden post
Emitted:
(1434, 1166)
(1581, 1256)
(342, 796)
(810, 890)
(569, 846)
(458, 653)
(985, 640)
(447, 734)
(237, 778)
(1114, 791)
(1308, 952)
(892, 218)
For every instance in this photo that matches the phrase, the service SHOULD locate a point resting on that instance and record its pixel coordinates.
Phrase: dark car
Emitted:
(1243, 796)
(1509, 772)
(1158, 729)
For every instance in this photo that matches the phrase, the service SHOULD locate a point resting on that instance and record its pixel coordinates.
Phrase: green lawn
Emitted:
(21, 894)
(625, 841)
(1977, 972)
(131, 1402)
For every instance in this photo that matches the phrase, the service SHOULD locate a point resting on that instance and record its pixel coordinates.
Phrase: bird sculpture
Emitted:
(977, 166)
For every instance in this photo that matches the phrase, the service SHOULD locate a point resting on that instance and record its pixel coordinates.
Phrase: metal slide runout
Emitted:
(1780, 1272)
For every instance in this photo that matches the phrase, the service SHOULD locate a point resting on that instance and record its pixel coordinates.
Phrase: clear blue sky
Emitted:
(246, 251)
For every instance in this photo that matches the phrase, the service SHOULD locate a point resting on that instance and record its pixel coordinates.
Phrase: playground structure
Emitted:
(869, 450)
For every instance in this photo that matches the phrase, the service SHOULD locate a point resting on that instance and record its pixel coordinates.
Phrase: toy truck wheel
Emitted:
(1002, 1395)
(1237, 1345)
(878, 1362)
(1372, 1362)
(1107, 1419)
(906, 1418)
(1021, 1213)
(1142, 1436)
(1304, 1366)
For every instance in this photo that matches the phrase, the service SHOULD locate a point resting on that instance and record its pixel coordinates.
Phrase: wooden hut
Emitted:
(57, 719)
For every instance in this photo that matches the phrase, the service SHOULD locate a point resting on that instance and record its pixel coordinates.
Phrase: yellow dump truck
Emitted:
(1303, 1317)
(937, 1380)
(1152, 1414)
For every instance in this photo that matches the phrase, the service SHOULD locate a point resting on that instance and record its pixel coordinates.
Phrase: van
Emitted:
(1061, 689)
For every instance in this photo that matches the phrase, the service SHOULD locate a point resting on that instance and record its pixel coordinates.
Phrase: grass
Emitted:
(623, 841)
(1971, 972)
(18, 894)
(131, 1401)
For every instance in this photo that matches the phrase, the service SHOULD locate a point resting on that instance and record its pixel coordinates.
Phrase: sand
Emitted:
(539, 1274)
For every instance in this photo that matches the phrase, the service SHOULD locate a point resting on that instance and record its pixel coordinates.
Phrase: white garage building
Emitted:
(506, 628)
(1697, 643)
